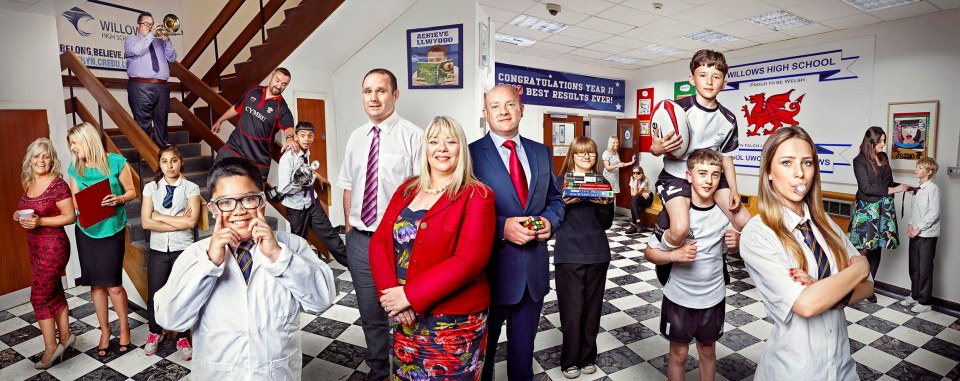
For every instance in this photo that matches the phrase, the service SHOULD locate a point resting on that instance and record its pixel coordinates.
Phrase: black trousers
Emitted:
(580, 298)
(313, 216)
(637, 204)
(150, 105)
(159, 264)
(922, 251)
(873, 257)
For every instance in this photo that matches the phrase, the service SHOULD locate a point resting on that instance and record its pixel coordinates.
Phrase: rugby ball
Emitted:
(668, 117)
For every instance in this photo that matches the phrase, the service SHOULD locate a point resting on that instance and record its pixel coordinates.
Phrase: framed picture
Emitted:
(484, 45)
(645, 128)
(435, 57)
(912, 132)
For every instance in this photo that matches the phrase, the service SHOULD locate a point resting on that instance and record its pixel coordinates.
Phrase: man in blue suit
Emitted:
(520, 172)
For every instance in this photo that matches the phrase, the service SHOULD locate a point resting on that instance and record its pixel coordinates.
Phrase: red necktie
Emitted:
(517, 175)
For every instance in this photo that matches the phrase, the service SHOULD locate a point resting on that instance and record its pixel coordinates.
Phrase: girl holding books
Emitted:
(170, 210)
(581, 257)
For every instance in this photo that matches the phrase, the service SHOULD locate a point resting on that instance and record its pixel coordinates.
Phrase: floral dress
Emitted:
(49, 251)
(445, 347)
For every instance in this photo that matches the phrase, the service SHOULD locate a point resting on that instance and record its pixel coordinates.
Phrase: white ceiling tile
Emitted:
(639, 53)
(607, 48)
(576, 59)
(704, 17)
(808, 30)
(741, 9)
(509, 48)
(672, 27)
(543, 45)
(569, 17)
(523, 32)
(741, 29)
(589, 53)
(625, 42)
(908, 10)
(628, 16)
(699, 2)
(786, 3)
(821, 10)
(771, 36)
(14, 6)
(533, 51)
(645, 34)
(590, 7)
(670, 7)
(670, 58)
(945, 4)
(512, 5)
(738, 44)
(567, 40)
(497, 14)
(604, 25)
(686, 44)
(586, 34)
(852, 21)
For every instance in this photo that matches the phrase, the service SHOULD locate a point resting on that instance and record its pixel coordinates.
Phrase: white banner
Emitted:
(825, 89)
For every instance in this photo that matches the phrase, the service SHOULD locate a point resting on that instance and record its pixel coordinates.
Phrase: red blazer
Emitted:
(446, 269)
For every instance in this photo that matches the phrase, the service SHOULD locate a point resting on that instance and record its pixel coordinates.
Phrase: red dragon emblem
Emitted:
(778, 110)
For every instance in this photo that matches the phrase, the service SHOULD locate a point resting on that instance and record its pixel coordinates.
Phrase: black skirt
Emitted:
(101, 259)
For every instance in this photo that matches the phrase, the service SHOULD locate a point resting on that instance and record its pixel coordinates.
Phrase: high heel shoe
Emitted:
(70, 341)
(57, 354)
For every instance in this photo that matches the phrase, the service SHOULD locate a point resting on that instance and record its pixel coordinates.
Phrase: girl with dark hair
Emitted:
(640, 198)
(873, 224)
(170, 210)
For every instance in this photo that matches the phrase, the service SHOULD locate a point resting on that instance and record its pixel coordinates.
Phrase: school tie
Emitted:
(244, 259)
(517, 175)
(368, 212)
(308, 189)
(168, 198)
(153, 59)
(823, 265)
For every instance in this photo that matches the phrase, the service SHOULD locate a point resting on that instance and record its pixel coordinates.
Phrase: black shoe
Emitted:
(632, 229)
(872, 298)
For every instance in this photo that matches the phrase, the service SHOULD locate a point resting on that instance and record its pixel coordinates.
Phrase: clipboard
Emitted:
(88, 204)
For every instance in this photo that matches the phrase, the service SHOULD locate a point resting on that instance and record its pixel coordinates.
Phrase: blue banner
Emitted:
(553, 88)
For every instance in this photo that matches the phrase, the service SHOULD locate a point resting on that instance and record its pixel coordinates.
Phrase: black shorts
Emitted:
(680, 324)
(670, 186)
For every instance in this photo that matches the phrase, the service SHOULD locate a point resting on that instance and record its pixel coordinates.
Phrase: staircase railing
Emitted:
(210, 34)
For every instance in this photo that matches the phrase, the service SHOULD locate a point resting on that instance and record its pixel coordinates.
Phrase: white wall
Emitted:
(915, 59)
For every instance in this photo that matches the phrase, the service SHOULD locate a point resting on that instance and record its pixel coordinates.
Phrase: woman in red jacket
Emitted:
(428, 264)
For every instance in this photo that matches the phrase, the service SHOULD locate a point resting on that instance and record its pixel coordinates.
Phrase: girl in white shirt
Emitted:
(170, 210)
(804, 267)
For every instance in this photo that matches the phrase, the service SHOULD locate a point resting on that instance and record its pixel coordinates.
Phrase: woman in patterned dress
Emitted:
(873, 224)
(49, 196)
(428, 264)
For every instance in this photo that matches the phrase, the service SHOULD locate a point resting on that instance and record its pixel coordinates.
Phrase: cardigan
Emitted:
(872, 185)
(582, 239)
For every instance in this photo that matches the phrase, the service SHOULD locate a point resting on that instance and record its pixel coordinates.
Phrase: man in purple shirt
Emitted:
(147, 89)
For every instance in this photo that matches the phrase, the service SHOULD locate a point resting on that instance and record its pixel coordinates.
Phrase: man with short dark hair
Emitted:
(263, 112)
(147, 57)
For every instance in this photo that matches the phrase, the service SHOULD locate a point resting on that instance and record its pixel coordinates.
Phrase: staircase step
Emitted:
(176, 137)
(132, 155)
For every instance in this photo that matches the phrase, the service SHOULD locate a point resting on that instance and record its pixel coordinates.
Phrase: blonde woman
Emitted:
(803, 265)
(45, 192)
(100, 246)
(428, 262)
(612, 163)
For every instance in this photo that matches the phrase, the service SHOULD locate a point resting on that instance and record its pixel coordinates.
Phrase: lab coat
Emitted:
(245, 332)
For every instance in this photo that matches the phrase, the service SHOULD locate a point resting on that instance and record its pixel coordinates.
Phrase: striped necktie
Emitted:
(823, 265)
(368, 212)
(244, 258)
(168, 198)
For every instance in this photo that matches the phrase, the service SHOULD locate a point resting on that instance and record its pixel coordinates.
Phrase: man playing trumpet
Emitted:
(296, 177)
(147, 54)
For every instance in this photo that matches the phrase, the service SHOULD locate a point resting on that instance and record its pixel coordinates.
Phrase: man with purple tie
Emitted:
(380, 155)
(147, 89)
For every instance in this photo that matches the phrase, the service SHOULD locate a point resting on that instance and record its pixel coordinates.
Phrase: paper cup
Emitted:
(25, 214)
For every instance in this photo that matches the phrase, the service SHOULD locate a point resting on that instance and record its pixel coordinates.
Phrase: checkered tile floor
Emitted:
(887, 340)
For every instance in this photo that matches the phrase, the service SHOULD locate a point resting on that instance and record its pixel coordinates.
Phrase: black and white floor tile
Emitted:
(888, 341)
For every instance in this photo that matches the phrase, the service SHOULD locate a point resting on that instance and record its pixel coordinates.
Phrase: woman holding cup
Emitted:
(45, 207)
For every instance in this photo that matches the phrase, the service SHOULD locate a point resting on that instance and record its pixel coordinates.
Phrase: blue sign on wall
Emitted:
(552, 88)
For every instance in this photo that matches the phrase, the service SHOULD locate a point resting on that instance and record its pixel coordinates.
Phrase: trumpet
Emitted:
(303, 175)
(169, 26)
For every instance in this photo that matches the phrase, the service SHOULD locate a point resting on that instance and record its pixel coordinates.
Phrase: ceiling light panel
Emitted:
(515, 40)
(621, 59)
(660, 50)
(780, 20)
(535, 23)
(710, 37)
(875, 5)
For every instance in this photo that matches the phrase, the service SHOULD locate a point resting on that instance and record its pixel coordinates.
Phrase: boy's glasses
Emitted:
(250, 202)
(585, 154)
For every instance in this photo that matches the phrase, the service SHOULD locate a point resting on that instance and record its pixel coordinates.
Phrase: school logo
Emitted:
(269, 109)
(253, 99)
(777, 111)
(75, 16)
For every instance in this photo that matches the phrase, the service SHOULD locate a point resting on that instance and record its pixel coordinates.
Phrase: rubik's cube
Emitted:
(534, 223)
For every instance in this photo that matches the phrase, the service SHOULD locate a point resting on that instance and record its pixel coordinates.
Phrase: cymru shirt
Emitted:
(260, 119)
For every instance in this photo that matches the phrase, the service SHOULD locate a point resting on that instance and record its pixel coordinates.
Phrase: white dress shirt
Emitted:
(798, 348)
(505, 153)
(294, 195)
(185, 189)
(245, 332)
(401, 150)
(925, 210)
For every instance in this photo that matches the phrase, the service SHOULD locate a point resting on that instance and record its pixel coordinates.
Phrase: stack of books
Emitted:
(590, 185)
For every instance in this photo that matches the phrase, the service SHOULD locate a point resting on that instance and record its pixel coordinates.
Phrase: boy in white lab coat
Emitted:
(242, 288)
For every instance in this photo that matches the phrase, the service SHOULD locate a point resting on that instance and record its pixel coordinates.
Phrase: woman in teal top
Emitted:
(100, 247)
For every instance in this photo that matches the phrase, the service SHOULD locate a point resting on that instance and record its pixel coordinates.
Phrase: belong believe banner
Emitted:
(553, 88)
